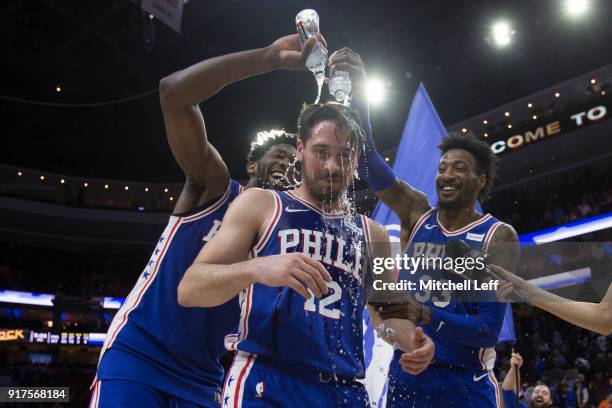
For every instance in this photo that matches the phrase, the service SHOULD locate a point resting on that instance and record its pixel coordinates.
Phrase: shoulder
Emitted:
(504, 233)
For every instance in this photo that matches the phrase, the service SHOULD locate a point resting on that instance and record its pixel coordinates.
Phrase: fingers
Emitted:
(319, 267)
(308, 281)
(411, 366)
(316, 275)
(298, 287)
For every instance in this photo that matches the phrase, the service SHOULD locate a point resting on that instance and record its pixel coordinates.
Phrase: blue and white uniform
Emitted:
(464, 332)
(297, 353)
(155, 344)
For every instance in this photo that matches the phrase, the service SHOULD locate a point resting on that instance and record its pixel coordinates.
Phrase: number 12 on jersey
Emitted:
(325, 303)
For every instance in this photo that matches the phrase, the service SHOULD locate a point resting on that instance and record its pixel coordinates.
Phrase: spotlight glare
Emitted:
(485, 121)
(464, 130)
(506, 114)
(530, 105)
(557, 94)
(106, 186)
(147, 189)
(376, 90)
(171, 198)
(535, 117)
(126, 188)
(166, 190)
(42, 178)
(85, 184)
(62, 181)
(509, 125)
(19, 173)
(486, 135)
(58, 89)
(603, 93)
(502, 33)
(576, 8)
(593, 81)
(386, 159)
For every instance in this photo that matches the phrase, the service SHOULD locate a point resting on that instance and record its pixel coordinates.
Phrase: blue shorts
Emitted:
(251, 383)
(442, 386)
(129, 394)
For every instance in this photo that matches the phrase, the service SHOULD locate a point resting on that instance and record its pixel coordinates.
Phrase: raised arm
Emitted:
(206, 175)
(409, 204)
(222, 270)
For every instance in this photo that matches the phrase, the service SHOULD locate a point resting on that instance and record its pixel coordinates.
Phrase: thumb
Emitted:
(419, 335)
(307, 48)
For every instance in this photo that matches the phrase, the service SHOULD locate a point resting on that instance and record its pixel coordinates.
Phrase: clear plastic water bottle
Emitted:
(307, 24)
(340, 86)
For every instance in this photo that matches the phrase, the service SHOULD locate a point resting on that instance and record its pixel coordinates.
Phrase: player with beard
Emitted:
(540, 398)
(300, 340)
(464, 332)
(157, 353)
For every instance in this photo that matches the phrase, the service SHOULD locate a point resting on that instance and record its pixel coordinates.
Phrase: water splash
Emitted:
(320, 78)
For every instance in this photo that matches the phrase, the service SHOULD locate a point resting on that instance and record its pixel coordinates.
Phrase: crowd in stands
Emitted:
(574, 363)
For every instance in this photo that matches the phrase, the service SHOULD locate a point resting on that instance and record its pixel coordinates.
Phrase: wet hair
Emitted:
(486, 160)
(268, 138)
(346, 118)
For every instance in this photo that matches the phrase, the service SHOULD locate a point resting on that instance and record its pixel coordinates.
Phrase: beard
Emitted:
(533, 404)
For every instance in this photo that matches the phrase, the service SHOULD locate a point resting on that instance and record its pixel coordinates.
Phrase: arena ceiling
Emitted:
(106, 50)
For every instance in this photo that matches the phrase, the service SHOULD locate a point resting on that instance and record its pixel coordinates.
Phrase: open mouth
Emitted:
(279, 177)
(448, 189)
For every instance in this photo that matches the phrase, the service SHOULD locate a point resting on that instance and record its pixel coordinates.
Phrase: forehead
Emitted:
(458, 155)
(328, 133)
(541, 388)
(281, 148)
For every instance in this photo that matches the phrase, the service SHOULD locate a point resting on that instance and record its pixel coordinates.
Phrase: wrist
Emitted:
(270, 57)
(248, 271)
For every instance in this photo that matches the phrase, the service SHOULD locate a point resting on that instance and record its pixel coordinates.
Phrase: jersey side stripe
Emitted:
(271, 224)
(128, 308)
(418, 224)
(210, 209)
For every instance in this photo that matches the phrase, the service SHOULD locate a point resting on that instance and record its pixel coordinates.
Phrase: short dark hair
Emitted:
(268, 138)
(486, 160)
(347, 118)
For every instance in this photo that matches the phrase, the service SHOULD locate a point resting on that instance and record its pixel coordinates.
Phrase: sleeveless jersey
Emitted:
(154, 340)
(318, 338)
(428, 239)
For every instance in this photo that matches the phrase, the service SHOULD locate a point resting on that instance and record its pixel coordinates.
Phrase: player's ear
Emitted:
(251, 169)
(299, 151)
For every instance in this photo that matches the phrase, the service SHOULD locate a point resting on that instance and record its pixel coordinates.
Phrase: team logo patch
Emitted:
(474, 237)
(259, 389)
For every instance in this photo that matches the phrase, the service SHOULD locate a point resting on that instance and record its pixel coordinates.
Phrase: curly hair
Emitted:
(486, 160)
(268, 138)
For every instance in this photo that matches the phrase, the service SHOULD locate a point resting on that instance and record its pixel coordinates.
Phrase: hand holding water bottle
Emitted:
(288, 52)
(346, 60)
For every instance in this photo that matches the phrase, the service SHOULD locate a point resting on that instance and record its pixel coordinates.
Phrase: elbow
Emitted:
(168, 94)
(184, 295)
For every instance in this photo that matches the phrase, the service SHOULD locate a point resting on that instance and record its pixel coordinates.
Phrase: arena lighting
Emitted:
(502, 33)
(85, 184)
(464, 130)
(171, 198)
(593, 81)
(106, 186)
(126, 188)
(58, 89)
(509, 125)
(486, 135)
(506, 114)
(485, 122)
(166, 190)
(530, 105)
(42, 178)
(147, 189)
(62, 181)
(386, 159)
(376, 90)
(557, 94)
(19, 173)
(575, 8)
(534, 117)
(569, 230)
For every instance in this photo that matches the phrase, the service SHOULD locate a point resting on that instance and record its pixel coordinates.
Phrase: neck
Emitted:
(327, 206)
(456, 218)
(252, 183)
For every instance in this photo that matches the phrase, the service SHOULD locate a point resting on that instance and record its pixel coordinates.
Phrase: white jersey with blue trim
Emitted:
(160, 343)
(428, 239)
(316, 338)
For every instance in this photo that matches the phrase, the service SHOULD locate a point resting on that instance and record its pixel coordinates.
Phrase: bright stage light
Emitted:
(376, 89)
(502, 33)
(576, 8)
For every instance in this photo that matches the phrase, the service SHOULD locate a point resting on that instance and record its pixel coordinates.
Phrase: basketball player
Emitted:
(157, 353)
(464, 332)
(300, 334)
(596, 317)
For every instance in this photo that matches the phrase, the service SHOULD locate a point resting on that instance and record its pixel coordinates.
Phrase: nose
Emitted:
(332, 165)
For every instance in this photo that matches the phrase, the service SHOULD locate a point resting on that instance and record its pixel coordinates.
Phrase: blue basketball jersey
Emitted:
(428, 239)
(316, 338)
(155, 341)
